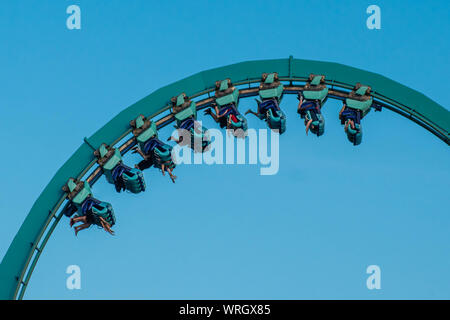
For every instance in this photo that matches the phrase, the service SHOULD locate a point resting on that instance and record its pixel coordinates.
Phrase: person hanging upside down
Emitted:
(186, 125)
(88, 221)
(229, 117)
(310, 111)
(264, 106)
(95, 214)
(269, 110)
(349, 117)
(149, 160)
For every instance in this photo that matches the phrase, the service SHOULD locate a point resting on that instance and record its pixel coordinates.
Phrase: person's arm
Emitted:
(250, 111)
(340, 112)
(135, 149)
(300, 104)
(173, 139)
(139, 151)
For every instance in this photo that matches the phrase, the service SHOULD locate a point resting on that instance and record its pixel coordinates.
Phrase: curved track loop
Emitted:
(26, 248)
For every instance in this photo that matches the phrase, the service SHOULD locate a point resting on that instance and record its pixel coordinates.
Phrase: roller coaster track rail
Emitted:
(23, 254)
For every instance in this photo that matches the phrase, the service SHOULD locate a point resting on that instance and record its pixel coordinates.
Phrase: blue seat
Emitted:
(269, 111)
(126, 178)
(353, 135)
(95, 209)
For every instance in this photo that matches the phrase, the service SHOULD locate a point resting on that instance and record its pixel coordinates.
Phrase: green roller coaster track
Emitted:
(21, 258)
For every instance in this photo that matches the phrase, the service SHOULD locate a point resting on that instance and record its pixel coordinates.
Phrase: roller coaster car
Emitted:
(271, 87)
(227, 101)
(117, 173)
(315, 89)
(154, 151)
(310, 111)
(185, 112)
(360, 99)
(183, 108)
(315, 94)
(143, 130)
(83, 203)
(271, 93)
(357, 106)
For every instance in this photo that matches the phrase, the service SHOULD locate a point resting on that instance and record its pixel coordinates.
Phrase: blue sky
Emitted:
(337, 208)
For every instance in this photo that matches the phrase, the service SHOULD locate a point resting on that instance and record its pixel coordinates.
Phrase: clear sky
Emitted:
(308, 232)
